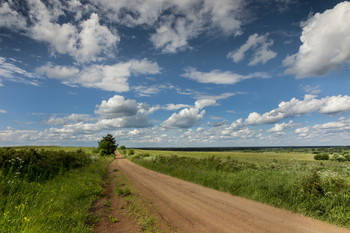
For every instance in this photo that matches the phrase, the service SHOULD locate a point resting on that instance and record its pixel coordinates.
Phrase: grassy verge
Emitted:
(313, 189)
(135, 205)
(58, 203)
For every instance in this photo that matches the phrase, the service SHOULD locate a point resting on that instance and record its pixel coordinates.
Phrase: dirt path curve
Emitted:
(192, 208)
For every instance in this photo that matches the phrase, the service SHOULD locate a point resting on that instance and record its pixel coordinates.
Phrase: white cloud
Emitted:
(218, 76)
(325, 43)
(328, 105)
(117, 106)
(9, 18)
(261, 50)
(58, 72)
(334, 131)
(13, 73)
(122, 112)
(3, 111)
(188, 117)
(171, 107)
(147, 91)
(215, 97)
(279, 128)
(237, 125)
(106, 77)
(313, 90)
(72, 118)
(86, 40)
(172, 37)
(303, 132)
(176, 22)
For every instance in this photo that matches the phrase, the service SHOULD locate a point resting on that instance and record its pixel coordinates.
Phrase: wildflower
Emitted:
(26, 219)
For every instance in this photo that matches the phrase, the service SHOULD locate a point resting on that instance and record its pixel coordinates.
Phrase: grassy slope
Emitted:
(287, 180)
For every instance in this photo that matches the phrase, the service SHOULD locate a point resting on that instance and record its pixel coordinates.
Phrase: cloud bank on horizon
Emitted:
(175, 73)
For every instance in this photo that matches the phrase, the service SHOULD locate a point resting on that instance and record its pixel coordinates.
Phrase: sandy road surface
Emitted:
(192, 208)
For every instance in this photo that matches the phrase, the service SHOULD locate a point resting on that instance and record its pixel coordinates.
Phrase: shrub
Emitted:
(311, 184)
(321, 156)
(40, 164)
(130, 152)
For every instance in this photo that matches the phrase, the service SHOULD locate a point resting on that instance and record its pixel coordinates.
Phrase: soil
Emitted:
(188, 207)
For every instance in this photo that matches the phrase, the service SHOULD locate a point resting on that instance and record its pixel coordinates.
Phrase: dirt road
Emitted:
(192, 208)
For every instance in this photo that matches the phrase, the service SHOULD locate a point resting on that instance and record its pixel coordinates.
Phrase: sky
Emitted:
(186, 73)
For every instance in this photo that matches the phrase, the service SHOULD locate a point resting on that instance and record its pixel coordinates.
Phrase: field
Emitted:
(289, 180)
(49, 189)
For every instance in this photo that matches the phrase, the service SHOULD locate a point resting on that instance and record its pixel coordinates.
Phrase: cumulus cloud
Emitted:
(3, 111)
(106, 77)
(117, 106)
(11, 72)
(219, 77)
(188, 117)
(85, 41)
(280, 127)
(334, 130)
(260, 45)
(325, 43)
(123, 112)
(330, 105)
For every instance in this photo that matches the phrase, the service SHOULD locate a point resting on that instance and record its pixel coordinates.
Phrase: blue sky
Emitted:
(175, 73)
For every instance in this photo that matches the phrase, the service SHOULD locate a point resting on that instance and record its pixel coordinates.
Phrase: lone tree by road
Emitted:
(107, 145)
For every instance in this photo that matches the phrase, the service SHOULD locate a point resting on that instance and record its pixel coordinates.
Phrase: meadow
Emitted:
(290, 180)
(49, 189)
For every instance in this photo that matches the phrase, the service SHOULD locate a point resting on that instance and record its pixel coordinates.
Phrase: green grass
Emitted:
(287, 180)
(58, 148)
(60, 203)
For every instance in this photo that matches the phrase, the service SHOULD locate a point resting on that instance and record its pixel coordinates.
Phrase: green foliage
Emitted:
(319, 191)
(321, 156)
(122, 147)
(60, 204)
(107, 145)
(130, 152)
(42, 164)
(123, 192)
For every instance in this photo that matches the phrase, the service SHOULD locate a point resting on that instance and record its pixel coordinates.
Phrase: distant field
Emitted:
(257, 157)
(57, 148)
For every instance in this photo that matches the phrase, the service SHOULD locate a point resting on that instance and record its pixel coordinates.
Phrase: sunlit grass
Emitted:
(57, 204)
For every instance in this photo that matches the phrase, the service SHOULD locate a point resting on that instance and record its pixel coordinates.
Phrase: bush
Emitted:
(40, 164)
(130, 152)
(321, 156)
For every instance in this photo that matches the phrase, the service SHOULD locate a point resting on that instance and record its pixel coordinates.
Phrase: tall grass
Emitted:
(311, 189)
(58, 202)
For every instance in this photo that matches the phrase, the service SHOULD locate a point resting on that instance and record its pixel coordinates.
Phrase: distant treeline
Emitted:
(254, 149)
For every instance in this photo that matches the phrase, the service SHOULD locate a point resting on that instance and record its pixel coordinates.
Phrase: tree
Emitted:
(107, 145)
